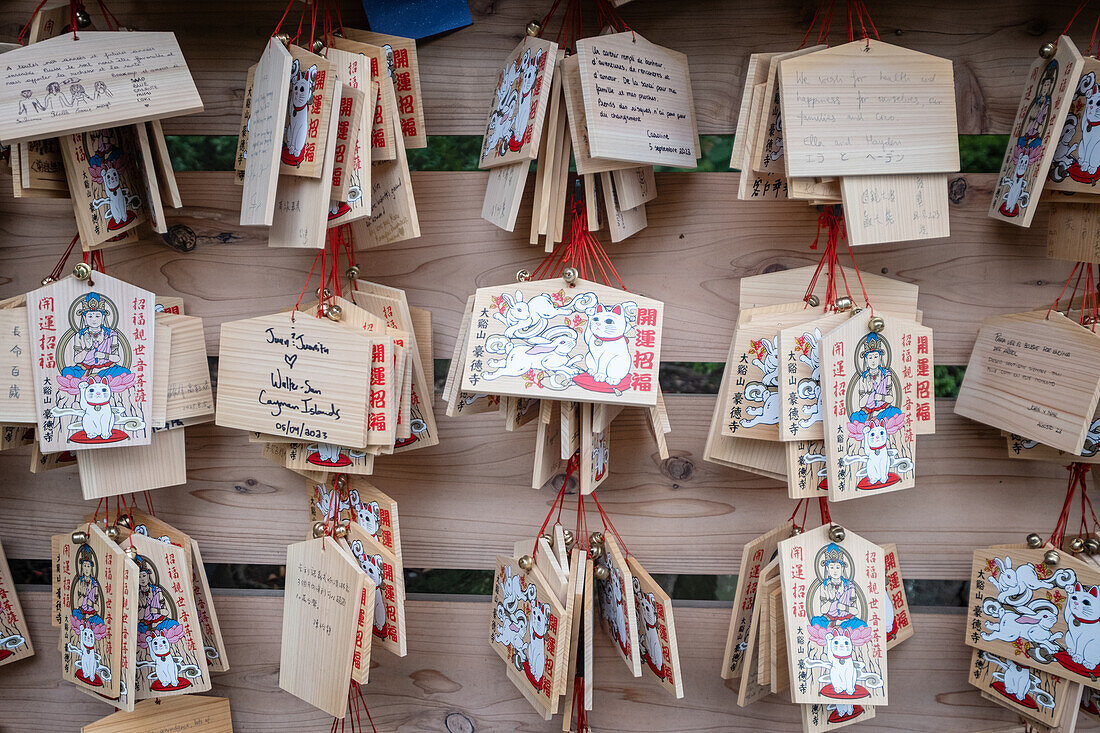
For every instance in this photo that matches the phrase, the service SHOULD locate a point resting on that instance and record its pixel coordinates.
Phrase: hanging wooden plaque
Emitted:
(217, 655)
(310, 104)
(806, 473)
(362, 503)
(15, 639)
(1033, 693)
(756, 72)
(295, 375)
(617, 605)
(403, 70)
(17, 393)
(765, 157)
(266, 117)
(91, 653)
(589, 343)
(868, 107)
(756, 555)
(92, 359)
(656, 631)
(191, 713)
(1075, 165)
(870, 442)
(835, 603)
(67, 84)
(105, 184)
(577, 117)
(899, 623)
(1073, 232)
(115, 471)
(819, 718)
(749, 689)
(621, 221)
(638, 101)
(895, 208)
(385, 571)
(520, 102)
(799, 353)
(352, 69)
(1041, 116)
(1035, 376)
(392, 206)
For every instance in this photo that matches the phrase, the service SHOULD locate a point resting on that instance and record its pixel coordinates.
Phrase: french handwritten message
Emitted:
(868, 108)
(637, 96)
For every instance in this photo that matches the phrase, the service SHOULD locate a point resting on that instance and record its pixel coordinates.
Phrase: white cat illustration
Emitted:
(1082, 614)
(650, 638)
(842, 672)
(98, 420)
(608, 357)
(530, 69)
(1088, 154)
(535, 665)
(302, 86)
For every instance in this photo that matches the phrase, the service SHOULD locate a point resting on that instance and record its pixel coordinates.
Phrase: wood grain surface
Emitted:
(465, 501)
(991, 43)
(452, 681)
(699, 243)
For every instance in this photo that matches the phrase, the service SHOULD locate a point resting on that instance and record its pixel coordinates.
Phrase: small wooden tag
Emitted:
(634, 186)
(575, 609)
(588, 634)
(115, 471)
(76, 84)
(15, 639)
(1073, 232)
(128, 637)
(322, 601)
(1035, 376)
(294, 375)
(163, 161)
(573, 99)
(1041, 117)
(595, 452)
(520, 102)
(749, 689)
(105, 183)
(547, 444)
(806, 472)
(91, 652)
(870, 442)
(840, 104)
(637, 96)
(92, 354)
(834, 600)
(756, 72)
(15, 365)
(148, 168)
(353, 71)
(590, 343)
(756, 555)
(365, 504)
(899, 623)
(404, 72)
(193, 713)
(504, 194)
(765, 157)
(266, 118)
(656, 630)
(617, 605)
(190, 396)
(171, 659)
(385, 571)
(527, 632)
(621, 221)
(392, 207)
(349, 110)
(895, 208)
(770, 186)
(241, 156)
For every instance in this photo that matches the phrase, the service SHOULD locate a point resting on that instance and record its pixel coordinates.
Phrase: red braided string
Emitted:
(823, 507)
(608, 525)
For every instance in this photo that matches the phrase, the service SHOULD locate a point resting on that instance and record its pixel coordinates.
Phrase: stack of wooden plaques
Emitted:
(865, 124)
(307, 124)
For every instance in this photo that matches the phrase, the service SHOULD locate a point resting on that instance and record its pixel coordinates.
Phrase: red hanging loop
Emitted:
(823, 507)
(608, 525)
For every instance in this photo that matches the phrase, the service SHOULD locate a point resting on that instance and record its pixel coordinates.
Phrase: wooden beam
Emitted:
(699, 244)
(464, 501)
(452, 680)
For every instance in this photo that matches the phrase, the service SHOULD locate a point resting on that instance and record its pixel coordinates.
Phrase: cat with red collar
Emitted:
(302, 85)
(1082, 614)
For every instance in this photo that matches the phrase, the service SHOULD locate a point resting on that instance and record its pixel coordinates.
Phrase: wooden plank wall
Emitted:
(464, 500)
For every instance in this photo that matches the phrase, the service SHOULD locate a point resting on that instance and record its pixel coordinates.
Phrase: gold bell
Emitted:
(796, 531)
(568, 535)
(1077, 546)
(595, 552)
(83, 20)
(837, 533)
(283, 38)
(526, 563)
(341, 482)
(596, 538)
(335, 312)
(82, 271)
(1092, 545)
(523, 275)
(340, 532)
(80, 537)
(602, 573)
(324, 293)
(570, 275)
(549, 539)
(113, 532)
(324, 309)
(124, 521)
(318, 46)
(534, 28)
(876, 324)
(1047, 50)
(318, 529)
(843, 303)
(1034, 541)
(1051, 557)
(131, 552)
(814, 301)
(352, 272)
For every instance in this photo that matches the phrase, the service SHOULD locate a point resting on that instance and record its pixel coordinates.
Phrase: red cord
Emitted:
(823, 506)
(607, 525)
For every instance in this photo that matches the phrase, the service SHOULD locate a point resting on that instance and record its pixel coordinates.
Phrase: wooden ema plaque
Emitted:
(403, 71)
(65, 85)
(638, 102)
(867, 389)
(776, 288)
(520, 103)
(266, 115)
(819, 718)
(294, 375)
(1033, 693)
(171, 659)
(895, 208)
(834, 600)
(322, 600)
(15, 640)
(1075, 166)
(546, 339)
(617, 605)
(756, 555)
(92, 358)
(807, 477)
(798, 350)
(527, 633)
(15, 365)
(91, 643)
(192, 713)
(217, 656)
(362, 503)
(1039, 121)
(899, 622)
(388, 577)
(1073, 232)
(1032, 613)
(868, 107)
(656, 631)
(1034, 376)
(309, 107)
